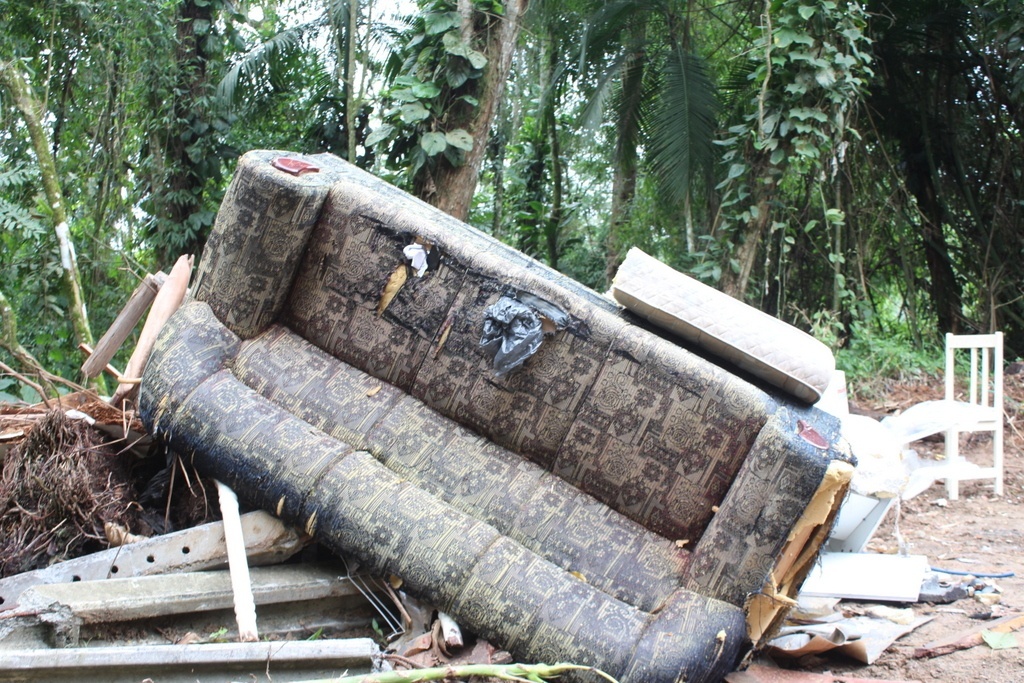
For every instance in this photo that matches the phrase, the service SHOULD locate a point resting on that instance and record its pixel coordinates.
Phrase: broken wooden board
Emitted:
(867, 576)
(151, 596)
(123, 324)
(66, 607)
(166, 302)
(267, 540)
(211, 663)
(969, 637)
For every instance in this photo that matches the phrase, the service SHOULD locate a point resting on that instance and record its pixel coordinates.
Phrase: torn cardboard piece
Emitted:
(863, 638)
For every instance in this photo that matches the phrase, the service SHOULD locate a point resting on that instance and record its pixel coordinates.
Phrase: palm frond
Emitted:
(15, 218)
(632, 106)
(337, 11)
(259, 59)
(17, 175)
(603, 31)
(594, 109)
(683, 125)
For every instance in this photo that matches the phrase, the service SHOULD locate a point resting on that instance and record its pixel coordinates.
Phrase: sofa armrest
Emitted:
(259, 237)
(777, 513)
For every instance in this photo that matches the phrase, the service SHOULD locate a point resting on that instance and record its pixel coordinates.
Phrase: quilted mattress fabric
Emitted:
(764, 346)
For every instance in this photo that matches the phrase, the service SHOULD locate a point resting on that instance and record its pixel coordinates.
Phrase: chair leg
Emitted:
(997, 456)
(952, 455)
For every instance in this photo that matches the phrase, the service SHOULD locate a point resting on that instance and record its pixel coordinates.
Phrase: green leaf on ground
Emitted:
(999, 641)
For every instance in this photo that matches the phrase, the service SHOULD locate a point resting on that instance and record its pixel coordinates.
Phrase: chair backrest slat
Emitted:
(985, 378)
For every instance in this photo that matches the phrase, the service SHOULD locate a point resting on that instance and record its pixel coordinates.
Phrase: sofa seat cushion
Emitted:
(236, 410)
(471, 473)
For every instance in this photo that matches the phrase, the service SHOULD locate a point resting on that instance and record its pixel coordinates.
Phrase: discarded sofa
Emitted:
(615, 500)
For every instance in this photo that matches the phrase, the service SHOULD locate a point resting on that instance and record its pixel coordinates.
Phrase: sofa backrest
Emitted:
(649, 428)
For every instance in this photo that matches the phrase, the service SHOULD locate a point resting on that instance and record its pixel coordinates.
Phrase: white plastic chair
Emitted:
(978, 398)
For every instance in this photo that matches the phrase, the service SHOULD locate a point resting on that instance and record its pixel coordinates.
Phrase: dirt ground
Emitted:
(977, 533)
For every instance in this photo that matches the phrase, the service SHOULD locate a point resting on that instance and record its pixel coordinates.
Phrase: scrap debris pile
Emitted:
(59, 486)
(101, 545)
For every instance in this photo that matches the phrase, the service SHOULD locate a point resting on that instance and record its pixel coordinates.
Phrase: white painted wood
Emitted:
(450, 631)
(340, 653)
(983, 409)
(245, 607)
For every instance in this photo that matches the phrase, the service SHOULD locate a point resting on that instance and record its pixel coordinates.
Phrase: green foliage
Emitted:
(871, 360)
(185, 158)
(658, 93)
(15, 219)
(813, 69)
(149, 103)
(433, 82)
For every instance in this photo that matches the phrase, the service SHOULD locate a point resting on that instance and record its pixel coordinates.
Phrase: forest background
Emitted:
(853, 168)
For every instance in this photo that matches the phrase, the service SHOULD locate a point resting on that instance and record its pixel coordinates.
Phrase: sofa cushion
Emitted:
(761, 344)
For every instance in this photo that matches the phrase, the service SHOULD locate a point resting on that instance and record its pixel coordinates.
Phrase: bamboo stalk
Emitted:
(123, 325)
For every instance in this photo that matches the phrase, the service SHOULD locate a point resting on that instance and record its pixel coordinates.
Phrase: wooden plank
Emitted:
(348, 653)
(123, 324)
(166, 303)
(143, 597)
(268, 541)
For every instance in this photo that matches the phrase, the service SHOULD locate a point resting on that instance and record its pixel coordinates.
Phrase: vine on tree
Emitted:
(433, 81)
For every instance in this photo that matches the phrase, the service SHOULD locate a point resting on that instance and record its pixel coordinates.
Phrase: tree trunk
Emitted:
(765, 179)
(497, 148)
(734, 283)
(943, 287)
(455, 185)
(555, 217)
(180, 190)
(623, 190)
(624, 171)
(351, 106)
(32, 111)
